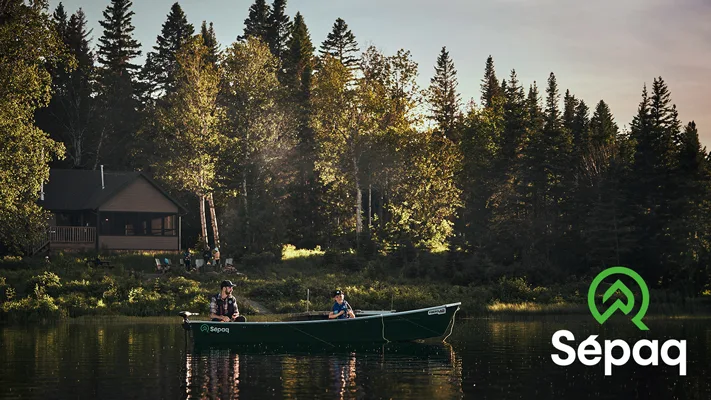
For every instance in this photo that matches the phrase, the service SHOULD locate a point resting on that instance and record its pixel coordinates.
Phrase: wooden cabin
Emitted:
(98, 210)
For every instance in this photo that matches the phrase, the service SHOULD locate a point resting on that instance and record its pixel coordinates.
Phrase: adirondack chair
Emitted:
(199, 263)
(162, 267)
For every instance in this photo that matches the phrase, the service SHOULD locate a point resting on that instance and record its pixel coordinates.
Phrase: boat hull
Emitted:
(403, 326)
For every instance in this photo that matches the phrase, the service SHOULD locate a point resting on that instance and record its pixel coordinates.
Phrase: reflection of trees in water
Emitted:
(423, 371)
(215, 373)
(343, 371)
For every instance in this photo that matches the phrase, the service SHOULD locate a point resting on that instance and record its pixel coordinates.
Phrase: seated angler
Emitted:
(341, 308)
(223, 305)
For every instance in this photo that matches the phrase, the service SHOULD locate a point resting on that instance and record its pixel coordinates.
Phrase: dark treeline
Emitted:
(275, 140)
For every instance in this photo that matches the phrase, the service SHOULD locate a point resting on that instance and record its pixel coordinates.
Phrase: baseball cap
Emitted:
(337, 292)
(227, 284)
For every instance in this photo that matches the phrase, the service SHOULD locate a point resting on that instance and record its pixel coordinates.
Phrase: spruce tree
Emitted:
(299, 63)
(73, 107)
(655, 129)
(341, 44)
(117, 88)
(279, 30)
(603, 128)
(515, 120)
(210, 42)
(160, 66)
(691, 224)
(490, 86)
(569, 105)
(257, 22)
(443, 97)
(61, 21)
(306, 227)
(117, 47)
(580, 130)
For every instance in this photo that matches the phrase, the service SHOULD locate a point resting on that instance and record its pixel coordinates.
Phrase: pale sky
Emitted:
(603, 49)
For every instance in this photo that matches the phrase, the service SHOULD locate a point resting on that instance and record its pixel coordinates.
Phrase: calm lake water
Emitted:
(483, 359)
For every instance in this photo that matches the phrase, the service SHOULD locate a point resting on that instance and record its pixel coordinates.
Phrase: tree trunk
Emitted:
(203, 222)
(358, 199)
(370, 206)
(213, 220)
(246, 207)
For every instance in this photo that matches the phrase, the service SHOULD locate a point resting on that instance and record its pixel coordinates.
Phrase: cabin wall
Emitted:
(138, 243)
(140, 196)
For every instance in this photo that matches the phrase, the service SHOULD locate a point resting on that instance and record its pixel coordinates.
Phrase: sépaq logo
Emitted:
(213, 329)
(590, 352)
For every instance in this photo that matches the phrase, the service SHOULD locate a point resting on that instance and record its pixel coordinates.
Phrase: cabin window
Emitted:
(137, 224)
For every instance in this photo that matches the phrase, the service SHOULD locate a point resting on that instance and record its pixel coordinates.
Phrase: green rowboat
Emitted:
(403, 326)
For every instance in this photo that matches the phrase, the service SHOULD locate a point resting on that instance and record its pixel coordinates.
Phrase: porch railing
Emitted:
(72, 234)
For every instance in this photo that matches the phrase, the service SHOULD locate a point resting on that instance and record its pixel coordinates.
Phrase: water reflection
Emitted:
(391, 371)
(145, 358)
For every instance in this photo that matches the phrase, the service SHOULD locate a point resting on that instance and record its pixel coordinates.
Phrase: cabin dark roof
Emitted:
(76, 189)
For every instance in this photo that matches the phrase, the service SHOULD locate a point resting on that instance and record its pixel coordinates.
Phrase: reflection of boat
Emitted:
(400, 326)
(414, 349)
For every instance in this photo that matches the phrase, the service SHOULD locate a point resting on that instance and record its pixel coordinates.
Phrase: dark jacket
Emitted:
(217, 305)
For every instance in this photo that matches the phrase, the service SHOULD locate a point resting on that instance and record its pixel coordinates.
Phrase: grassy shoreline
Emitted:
(33, 290)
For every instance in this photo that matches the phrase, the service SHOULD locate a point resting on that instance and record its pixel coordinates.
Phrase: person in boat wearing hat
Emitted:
(223, 306)
(341, 308)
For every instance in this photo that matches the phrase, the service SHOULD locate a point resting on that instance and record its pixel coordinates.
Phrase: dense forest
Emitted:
(277, 140)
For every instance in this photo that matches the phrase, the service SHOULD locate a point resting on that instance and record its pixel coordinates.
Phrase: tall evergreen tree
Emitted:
(656, 130)
(257, 22)
(61, 21)
(341, 44)
(558, 142)
(580, 128)
(72, 108)
(160, 66)
(490, 86)
(299, 64)
(210, 41)
(117, 88)
(603, 128)
(570, 103)
(117, 47)
(691, 225)
(279, 30)
(443, 97)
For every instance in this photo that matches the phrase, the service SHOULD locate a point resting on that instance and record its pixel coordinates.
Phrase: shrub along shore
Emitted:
(35, 290)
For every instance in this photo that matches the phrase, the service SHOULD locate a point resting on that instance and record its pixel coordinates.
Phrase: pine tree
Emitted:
(279, 30)
(160, 66)
(117, 47)
(299, 64)
(570, 103)
(515, 120)
(603, 129)
(117, 88)
(692, 213)
(257, 22)
(534, 176)
(61, 21)
(490, 86)
(580, 131)
(655, 130)
(341, 44)
(210, 42)
(72, 108)
(443, 97)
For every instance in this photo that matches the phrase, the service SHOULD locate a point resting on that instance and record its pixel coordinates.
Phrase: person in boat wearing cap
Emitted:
(341, 308)
(223, 306)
